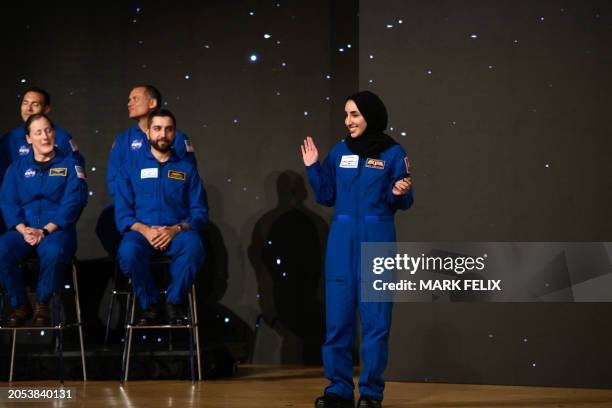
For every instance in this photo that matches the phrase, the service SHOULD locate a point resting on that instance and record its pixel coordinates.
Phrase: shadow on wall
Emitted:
(219, 326)
(286, 252)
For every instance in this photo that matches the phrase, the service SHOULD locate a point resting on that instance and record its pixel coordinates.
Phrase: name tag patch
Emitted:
(349, 161)
(58, 171)
(177, 175)
(375, 164)
(149, 173)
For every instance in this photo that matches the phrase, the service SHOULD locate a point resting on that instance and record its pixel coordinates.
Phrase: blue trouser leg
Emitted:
(54, 252)
(375, 326)
(13, 248)
(135, 261)
(340, 309)
(187, 254)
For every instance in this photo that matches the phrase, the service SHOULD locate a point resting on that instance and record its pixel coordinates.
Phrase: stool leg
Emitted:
(191, 363)
(127, 346)
(75, 284)
(108, 319)
(13, 355)
(61, 354)
(194, 323)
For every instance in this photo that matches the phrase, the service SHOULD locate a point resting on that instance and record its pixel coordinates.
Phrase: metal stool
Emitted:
(57, 325)
(191, 325)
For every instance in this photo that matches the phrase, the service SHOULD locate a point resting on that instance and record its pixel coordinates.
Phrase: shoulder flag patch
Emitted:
(58, 171)
(74, 146)
(80, 172)
(375, 164)
(407, 163)
(177, 175)
(189, 146)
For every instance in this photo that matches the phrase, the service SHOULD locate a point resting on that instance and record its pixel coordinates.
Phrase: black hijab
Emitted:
(373, 141)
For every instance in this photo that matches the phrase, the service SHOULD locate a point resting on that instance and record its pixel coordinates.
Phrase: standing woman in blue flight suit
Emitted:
(42, 195)
(366, 177)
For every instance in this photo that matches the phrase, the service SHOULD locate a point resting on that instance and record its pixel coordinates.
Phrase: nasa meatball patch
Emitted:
(29, 173)
(136, 144)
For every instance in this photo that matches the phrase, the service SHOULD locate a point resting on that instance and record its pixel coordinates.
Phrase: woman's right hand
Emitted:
(310, 154)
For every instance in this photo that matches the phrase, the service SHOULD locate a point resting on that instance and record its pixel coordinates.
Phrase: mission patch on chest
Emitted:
(177, 175)
(58, 171)
(375, 164)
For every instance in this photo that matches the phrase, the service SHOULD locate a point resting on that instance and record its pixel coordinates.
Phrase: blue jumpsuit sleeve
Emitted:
(12, 210)
(322, 179)
(74, 198)
(124, 199)
(113, 168)
(67, 145)
(198, 203)
(399, 171)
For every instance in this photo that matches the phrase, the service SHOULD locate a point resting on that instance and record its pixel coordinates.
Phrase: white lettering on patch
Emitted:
(149, 173)
(349, 161)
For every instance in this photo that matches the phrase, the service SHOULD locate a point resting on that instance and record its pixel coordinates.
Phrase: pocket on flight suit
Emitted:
(340, 251)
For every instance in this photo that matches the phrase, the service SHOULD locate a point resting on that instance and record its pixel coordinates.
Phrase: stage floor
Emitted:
(264, 386)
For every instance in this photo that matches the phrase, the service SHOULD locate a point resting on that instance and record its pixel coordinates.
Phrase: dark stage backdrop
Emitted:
(247, 81)
(503, 108)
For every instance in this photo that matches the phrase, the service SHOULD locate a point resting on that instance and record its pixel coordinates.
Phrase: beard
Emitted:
(162, 149)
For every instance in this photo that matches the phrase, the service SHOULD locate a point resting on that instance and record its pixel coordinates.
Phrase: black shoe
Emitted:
(368, 402)
(175, 314)
(334, 401)
(20, 315)
(41, 314)
(149, 317)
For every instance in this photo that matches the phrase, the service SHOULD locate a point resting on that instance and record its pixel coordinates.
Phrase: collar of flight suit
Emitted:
(57, 158)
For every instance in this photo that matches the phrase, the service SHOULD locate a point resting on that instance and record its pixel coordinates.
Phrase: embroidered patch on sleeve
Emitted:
(189, 146)
(58, 171)
(407, 163)
(73, 145)
(80, 172)
(177, 175)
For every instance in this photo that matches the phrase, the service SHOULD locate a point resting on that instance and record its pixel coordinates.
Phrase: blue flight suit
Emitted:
(14, 145)
(160, 194)
(126, 144)
(360, 189)
(35, 197)
(134, 140)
